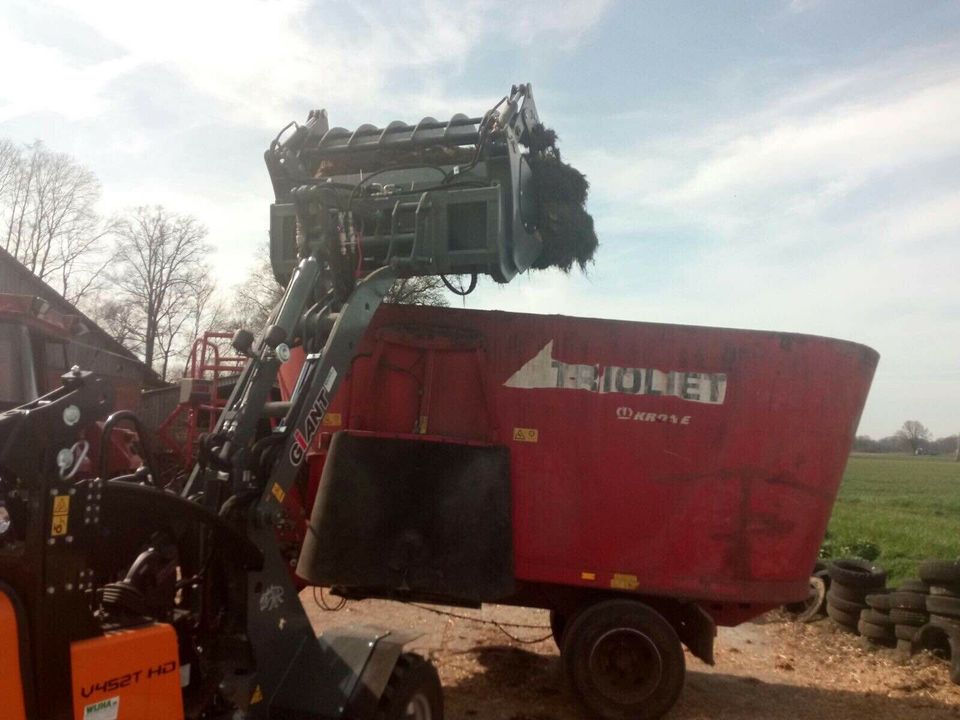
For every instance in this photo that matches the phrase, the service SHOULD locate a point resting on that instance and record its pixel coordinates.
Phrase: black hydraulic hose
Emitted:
(460, 291)
(108, 426)
(241, 548)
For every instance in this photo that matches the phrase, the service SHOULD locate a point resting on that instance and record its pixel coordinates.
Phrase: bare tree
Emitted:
(914, 435)
(160, 272)
(255, 298)
(9, 155)
(50, 224)
(427, 290)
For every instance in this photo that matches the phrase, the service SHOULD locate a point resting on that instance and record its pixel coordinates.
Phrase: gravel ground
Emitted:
(771, 669)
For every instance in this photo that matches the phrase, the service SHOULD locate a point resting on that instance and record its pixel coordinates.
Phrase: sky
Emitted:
(789, 165)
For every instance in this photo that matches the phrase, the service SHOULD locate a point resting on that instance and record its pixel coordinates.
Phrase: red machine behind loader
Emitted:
(644, 482)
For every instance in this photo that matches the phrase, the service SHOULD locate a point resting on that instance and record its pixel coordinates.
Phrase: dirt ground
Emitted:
(771, 669)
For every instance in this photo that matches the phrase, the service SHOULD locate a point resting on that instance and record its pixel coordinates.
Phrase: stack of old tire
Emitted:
(942, 632)
(851, 581)
(943, 600)
(908, 610)
(875, 622)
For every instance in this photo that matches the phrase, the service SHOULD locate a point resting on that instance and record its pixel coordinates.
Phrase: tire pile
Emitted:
(851, 581)
(922, 613)
(942, 632)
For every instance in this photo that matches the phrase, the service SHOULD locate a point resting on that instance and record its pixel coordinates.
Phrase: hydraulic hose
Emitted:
(108, 426)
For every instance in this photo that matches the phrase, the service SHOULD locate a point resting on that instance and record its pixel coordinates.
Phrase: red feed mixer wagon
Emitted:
(567, 463)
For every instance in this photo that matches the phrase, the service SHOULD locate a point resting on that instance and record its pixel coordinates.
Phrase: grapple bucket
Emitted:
(437, 197)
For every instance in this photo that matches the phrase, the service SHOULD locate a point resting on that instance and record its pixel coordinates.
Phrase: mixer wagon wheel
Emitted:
(558, 625)
(623, 660)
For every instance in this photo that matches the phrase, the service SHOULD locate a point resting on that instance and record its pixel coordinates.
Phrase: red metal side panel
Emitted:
(675, 460)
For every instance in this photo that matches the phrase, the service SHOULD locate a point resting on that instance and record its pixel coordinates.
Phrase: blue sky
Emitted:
(787, 165)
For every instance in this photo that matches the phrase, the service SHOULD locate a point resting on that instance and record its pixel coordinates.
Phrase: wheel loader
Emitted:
(121, 599)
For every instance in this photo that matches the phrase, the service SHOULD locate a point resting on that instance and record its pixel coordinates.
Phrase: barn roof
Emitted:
(16, 278)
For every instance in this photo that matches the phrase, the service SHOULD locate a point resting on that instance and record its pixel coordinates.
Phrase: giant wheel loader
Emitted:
(124, 600)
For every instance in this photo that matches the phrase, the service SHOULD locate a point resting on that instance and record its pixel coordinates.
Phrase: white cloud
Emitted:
(38, 78)
(266, 59)
(841, 146)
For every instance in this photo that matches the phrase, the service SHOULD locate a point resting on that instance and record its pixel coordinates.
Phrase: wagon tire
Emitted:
(946, 623)
(908, 617)
(952, 591)
(846, 606)
(942, 605)
(843, 619)
(908, 601)
(850, 594)
(623, 661)
(875, 617)
(558, 625)
(413, 691)
(940, 572)
(876, 632)
(878, 601)
(856, 573)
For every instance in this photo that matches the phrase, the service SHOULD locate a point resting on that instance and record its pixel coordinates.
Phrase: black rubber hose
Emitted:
(241, 547)
(108, 426)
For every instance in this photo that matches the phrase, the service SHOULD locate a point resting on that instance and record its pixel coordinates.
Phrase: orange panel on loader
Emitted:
(11, 683)
(127, 675)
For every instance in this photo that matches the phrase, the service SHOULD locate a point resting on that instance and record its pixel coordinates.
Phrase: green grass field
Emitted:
(905, 507)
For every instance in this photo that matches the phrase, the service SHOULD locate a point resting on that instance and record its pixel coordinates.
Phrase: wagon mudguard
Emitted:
(414, 518)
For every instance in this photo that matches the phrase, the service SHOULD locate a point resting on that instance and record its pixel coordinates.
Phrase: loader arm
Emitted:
(339, 241)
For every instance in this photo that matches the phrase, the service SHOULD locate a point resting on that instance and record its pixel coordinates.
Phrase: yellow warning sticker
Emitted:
(624, 582)
(61, 505)
(530, 435)
(333, 420)
(257, 696)
(61, 516)
(588, 576)
(278, 492)
(59, 524)
(422, 425)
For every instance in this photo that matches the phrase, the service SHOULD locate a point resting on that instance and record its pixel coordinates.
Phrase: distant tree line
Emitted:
(913, 437)
(144, 274)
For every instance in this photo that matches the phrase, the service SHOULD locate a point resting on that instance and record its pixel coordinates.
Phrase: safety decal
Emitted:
(623, 581)
(278, 492)
(528, 435)
(545, 371)
(60, 522)
(332, 420)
